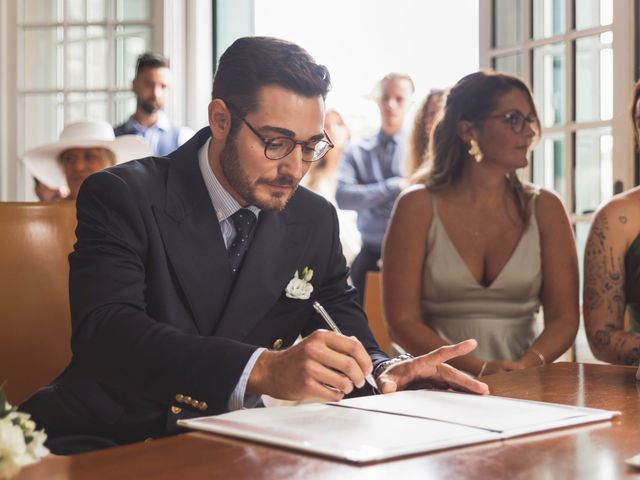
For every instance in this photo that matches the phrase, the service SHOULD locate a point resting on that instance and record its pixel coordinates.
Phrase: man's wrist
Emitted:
(259, 373)
(382, 366)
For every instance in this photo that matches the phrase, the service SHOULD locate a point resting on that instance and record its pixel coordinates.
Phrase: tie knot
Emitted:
(243, 220)
(390, 146)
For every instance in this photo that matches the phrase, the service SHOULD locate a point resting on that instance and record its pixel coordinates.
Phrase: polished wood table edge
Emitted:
(194, 452)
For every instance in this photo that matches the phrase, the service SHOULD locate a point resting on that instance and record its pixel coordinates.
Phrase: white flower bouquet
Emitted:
(20, 443)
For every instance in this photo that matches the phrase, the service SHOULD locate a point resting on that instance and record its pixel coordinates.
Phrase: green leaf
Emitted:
(3, 402)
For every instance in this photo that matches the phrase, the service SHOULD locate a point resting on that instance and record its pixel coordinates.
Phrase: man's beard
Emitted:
(239, 181)
(149, 106)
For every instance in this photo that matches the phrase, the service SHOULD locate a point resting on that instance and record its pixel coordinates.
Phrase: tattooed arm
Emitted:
(613, 229)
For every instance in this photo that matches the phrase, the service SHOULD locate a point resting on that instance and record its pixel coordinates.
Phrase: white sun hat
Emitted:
(43, 162)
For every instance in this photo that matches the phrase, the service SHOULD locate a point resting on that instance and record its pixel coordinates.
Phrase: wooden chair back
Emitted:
(35, 321)
(374, 311)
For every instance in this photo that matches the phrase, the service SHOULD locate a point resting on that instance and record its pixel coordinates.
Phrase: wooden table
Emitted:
(592, 451)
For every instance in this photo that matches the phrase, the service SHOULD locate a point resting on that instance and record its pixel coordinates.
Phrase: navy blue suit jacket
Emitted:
(156, 312)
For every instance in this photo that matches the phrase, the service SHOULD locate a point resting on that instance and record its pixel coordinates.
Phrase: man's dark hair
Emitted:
(251, 63)
(151, 60)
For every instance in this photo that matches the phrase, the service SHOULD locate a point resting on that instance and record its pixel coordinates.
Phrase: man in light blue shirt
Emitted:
(371, 175)
(151, 85)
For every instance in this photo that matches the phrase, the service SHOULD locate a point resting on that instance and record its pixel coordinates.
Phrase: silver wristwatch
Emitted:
(386, 364)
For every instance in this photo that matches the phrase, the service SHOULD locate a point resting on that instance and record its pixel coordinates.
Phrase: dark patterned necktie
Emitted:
(389, 152)
(244, 220)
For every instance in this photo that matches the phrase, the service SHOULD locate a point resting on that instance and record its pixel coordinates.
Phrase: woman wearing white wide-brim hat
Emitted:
(83, 148)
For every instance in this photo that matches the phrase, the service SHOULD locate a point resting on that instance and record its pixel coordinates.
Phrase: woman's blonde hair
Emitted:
(471, 99)
(419, 141)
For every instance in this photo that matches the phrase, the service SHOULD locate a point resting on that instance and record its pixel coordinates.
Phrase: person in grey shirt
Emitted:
(370, 177)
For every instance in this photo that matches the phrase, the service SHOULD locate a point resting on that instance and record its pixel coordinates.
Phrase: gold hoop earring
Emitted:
(475, 151)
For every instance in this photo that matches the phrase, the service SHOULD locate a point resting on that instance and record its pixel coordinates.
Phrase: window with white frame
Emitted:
(76, 60)
(577, 56)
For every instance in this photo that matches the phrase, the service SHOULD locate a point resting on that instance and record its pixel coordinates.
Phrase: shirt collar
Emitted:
(223, 203)
(383, 138)
(162, 123)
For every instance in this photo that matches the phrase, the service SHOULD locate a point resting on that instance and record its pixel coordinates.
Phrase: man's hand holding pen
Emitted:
(325, 366)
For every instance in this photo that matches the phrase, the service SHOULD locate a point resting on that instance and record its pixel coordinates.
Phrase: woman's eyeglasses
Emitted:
(517, 120)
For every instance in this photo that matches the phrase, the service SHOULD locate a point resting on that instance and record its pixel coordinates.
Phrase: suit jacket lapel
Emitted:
(192, 237)
(269, 264)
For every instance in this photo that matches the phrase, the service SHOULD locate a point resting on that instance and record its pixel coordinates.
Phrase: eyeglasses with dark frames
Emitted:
(517, 120)
(279, 147)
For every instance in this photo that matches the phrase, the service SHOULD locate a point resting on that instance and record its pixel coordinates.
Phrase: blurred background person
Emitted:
(471, 251)
(83, 148)
(422, 126)
(151, 87)
(371, 174)
(322, 178)
(612, 272)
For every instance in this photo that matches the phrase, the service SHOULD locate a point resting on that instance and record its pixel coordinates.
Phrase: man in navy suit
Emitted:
(174, 317)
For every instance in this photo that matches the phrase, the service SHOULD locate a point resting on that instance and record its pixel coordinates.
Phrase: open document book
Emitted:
(379, 427)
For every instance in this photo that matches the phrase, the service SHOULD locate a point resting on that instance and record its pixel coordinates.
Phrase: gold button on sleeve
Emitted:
(179, 398)
(175, 410)
(203, 406)
(277, 344)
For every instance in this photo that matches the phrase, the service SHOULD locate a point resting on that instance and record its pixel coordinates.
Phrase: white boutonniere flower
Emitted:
(300, 288)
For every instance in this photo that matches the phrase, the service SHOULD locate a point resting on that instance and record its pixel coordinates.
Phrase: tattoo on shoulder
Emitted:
(604, 279)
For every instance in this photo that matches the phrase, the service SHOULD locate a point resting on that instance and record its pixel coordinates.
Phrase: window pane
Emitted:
(43, 119)
(40, 10)
(96, 10)
(131, 41)
(87, 56)
(76, 10)
(594, 78)
(86, 106)
(593, 172)
(549, 83)
(86, 10)
(42, 58)
(133, 10)
(125, 103)
(591, 13)
(508, 18)
(549, 165)
(511, 64)
(548, 18)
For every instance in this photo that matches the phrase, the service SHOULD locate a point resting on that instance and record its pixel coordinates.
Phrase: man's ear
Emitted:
(219, 119)
(465, 130)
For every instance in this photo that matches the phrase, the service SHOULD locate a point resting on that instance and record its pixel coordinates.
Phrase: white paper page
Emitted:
(352, 434)
(497, 414)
